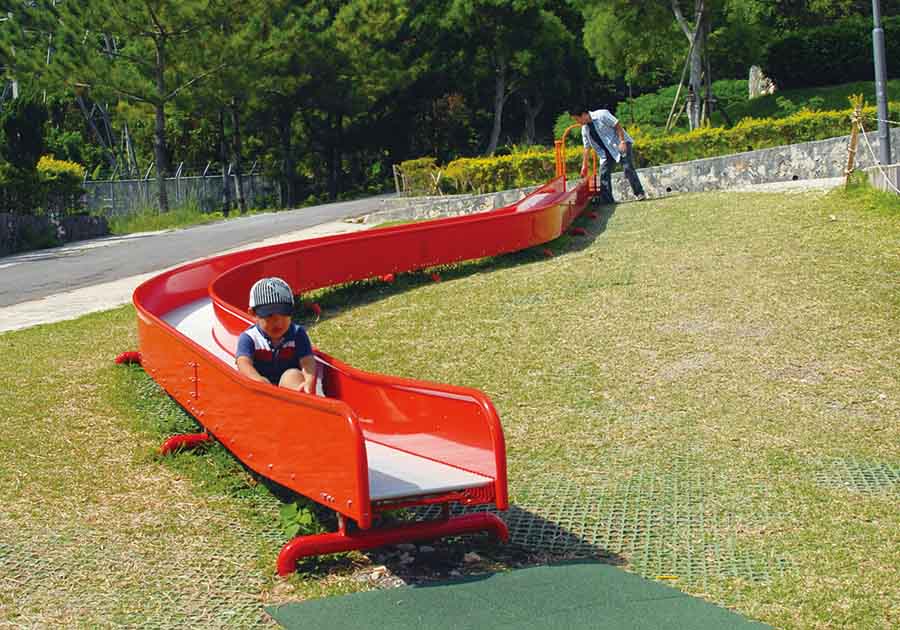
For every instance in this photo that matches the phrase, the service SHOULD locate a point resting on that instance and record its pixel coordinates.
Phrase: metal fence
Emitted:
(121, 197)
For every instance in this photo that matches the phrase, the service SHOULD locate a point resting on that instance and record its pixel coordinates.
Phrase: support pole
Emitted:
(342, 540)
(884, 137)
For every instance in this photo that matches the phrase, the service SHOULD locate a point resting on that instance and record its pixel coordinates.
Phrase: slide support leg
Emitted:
(340, 541)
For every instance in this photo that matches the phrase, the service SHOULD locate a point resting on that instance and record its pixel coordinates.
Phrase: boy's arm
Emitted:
(245, 367)
(308, 368)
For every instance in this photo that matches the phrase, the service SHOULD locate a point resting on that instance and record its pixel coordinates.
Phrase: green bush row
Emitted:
(839, 52)
(480, 175)
(52, 188)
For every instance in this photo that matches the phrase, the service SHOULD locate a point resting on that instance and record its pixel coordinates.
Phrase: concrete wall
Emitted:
(418, 208)
(885, 178)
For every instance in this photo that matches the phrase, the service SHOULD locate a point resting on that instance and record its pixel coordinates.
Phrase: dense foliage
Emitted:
(836, 53)
(326, 96)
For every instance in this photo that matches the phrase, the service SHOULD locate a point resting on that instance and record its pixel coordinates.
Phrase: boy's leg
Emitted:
(291, 379)
(631, 174)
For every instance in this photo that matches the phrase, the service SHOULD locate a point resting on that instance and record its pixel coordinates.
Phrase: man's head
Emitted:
(580, 114)
(272, 303)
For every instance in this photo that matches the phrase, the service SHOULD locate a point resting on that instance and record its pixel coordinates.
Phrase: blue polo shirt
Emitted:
(273, 361)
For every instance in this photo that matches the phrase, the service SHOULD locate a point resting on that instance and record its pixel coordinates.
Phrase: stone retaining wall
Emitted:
(807, 160)
(20, 232)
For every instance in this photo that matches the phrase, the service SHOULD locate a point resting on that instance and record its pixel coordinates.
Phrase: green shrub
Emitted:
(21, 190)
(833, 97)
(62, 183)
(652, 110)
(486, 174)
(839, 51)
(419, 175)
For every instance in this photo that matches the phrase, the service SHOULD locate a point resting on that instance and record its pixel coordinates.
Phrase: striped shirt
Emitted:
(604, 124)
(270, 360)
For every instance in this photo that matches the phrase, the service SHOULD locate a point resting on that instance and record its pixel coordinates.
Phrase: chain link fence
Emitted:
(121, 197)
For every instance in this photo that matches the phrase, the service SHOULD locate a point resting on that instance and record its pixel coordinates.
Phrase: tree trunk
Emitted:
(223, 156)
(288, 186)
(499, 101)
(696, 80)
(237, 147)
(696, 35)
(335, 155)
(159, 134)
(533, 107)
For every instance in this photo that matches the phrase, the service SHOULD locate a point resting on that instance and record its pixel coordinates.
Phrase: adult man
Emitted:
(602, 131)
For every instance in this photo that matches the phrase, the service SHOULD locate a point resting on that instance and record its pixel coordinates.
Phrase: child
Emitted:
(276, 350)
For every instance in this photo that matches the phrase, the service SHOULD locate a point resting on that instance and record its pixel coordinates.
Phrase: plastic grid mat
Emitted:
(81, 577)
(661, 525)
(860, 476)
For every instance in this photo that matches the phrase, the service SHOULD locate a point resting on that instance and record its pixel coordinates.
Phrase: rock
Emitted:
(471, 557)
(378, 572)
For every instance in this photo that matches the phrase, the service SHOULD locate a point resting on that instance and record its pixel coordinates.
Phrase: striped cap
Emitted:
(271, 295)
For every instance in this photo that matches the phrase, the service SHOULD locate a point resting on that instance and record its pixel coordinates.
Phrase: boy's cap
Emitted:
(269, 296)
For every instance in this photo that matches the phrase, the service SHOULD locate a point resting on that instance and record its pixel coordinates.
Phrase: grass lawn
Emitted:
(711, 377)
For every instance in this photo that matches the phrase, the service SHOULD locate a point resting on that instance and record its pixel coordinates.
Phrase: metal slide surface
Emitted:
(374, 441)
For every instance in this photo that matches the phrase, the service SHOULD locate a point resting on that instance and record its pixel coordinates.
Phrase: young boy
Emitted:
(276, 350)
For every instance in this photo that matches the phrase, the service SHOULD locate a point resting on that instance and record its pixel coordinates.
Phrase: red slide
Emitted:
(373, 442)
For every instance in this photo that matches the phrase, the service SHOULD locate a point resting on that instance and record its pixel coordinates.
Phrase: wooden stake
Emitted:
(857, 102)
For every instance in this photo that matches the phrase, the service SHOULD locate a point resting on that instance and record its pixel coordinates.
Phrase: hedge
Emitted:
(837, 53)
(53, 188)
(480, 175)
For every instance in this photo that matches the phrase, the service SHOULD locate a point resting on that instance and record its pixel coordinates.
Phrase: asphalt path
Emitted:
(43, 273)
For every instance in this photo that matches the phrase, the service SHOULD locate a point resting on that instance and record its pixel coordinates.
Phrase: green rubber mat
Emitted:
(573, 595)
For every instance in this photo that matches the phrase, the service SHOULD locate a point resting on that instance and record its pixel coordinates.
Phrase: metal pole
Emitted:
(884, 137)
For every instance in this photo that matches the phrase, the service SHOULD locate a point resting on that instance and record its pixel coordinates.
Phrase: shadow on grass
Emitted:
(534, 541)
(334, 300)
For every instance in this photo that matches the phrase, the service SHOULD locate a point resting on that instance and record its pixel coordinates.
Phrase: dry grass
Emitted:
(752, 338)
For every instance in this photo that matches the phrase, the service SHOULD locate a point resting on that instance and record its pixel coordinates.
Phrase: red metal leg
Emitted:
(336, 542)
(187, 440)
(129, 357)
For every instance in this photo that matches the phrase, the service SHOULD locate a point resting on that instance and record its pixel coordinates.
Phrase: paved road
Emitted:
(36, 275)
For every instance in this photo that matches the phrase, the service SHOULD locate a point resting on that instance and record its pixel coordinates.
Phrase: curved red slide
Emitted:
(372, 442)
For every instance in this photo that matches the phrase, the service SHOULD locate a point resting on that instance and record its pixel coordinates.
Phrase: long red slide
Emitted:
(372, 442)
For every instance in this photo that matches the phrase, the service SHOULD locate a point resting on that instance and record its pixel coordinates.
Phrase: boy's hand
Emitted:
(584, 170)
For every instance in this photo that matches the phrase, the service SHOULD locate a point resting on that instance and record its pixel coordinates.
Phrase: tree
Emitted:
(546, 69)
(146, 52)
(500, 31)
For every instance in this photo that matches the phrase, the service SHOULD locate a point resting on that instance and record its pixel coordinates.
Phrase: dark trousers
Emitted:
(631, 175)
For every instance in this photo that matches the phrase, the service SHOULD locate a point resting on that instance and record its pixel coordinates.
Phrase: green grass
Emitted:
(151, 220)
(749, 338)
